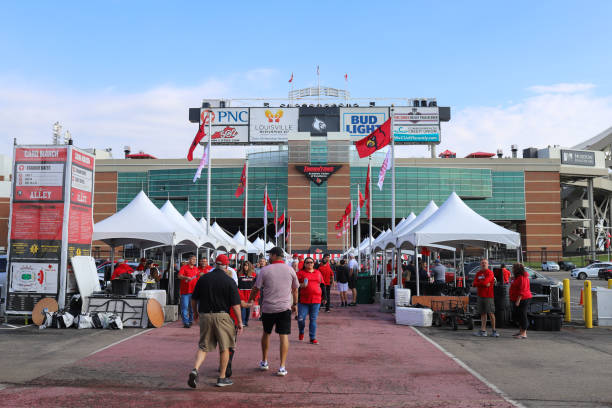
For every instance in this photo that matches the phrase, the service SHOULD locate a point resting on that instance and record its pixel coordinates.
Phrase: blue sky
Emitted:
(126, 72)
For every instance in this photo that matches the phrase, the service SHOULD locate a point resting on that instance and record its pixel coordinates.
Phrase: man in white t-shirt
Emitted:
(352, 283)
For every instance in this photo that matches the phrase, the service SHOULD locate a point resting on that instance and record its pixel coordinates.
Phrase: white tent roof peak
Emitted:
(456, 223)
(183, 229)
(400, 234)
(239, 237)
(138, 222)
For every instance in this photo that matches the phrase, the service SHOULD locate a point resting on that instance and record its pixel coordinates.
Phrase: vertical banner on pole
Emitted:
(51, 220)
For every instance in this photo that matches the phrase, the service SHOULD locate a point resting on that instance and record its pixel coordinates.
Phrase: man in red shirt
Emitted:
(328, 281)
(121, 268)
(484, 282)
(188, 276)
(204, 267)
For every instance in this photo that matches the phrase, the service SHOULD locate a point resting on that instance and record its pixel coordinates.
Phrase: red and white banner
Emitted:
(386, 165)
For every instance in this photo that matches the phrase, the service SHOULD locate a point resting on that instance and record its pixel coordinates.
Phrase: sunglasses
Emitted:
(307, 262)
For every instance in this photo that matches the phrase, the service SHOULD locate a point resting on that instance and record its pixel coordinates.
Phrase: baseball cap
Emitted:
(437, 261)
(278, 251)
(222, 260)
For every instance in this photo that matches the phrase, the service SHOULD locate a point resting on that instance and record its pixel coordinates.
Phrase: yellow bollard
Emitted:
(566, 300)
(609, 283)
(588, 305)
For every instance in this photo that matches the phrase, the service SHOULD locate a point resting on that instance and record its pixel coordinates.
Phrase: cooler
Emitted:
(413, 316)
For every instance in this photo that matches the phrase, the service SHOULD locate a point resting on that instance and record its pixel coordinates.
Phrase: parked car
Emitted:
(590, 271)
(550, 266)
(567, 265)
(605, 273)
(536, 279)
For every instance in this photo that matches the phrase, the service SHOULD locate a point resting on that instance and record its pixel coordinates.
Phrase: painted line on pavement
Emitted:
(117, 342)
(469, 369)
(3, 386)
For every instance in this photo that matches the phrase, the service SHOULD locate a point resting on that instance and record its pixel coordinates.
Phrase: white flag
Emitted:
(357, 215)
(203, 162)
(280, 231)
(383, 170)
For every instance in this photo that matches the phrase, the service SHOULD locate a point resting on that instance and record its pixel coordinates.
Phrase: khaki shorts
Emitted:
(216, 328)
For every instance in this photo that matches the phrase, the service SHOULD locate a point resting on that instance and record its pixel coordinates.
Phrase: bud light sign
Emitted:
(360, 122)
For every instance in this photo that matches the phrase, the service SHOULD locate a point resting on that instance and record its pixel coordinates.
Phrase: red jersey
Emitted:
(312, 292)
(204, 270)
(189, 271)
(482, 278)
(506, 274)
(327, 273)
(121, 269)
(520, 287)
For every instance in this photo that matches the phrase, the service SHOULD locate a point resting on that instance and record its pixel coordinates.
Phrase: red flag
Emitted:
(347, 210)
(195, 142)
(367, 193)
(346, 77)
(339, 224)
(291, 79)
(281, 219)
(268, 203)
(240, 188)
(288, 229)
(361, 200)
(243, 207)
(375, 140)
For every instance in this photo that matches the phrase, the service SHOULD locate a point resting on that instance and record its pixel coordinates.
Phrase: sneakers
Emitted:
(281, 372)
(193, 378)
(327, 310)
(263, 366)
(223, 382)
(314, 341)
(494, 333)
(301, 336)
(352, 304)
(480, 333)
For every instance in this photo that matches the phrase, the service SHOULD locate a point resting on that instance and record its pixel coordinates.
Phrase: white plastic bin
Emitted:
(413, 316)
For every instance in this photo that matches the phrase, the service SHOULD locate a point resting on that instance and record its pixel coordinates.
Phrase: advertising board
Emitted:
(51, 206)
(416, 125)
(577, 158)
(318, 174)
(229, 125)
(272, 125)
(319, 120)
(360, 122)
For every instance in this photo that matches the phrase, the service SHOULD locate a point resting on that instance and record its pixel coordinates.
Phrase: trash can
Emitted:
(366, 288)
(503, 309)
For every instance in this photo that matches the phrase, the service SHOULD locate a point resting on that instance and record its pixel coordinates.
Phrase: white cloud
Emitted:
(551, 118)
(561, 88)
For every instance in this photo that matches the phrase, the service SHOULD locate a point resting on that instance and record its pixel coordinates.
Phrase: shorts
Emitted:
(216, 328)
(352, 282)
(343, 287)
(281, 320)
(486, 305)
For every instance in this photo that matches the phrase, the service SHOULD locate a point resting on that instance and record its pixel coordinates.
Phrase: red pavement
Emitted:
(364, 359)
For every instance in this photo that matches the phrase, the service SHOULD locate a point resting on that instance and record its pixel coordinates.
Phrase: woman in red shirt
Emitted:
(310, 299)
(520, 295)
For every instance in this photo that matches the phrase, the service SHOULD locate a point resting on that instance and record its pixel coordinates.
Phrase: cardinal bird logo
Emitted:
(318, 125)
(371, 142)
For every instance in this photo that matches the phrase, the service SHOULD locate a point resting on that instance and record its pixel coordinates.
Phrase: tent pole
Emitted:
(455, 265)
(400, 272)
(112, 261)
(171, 277)
(418, 280)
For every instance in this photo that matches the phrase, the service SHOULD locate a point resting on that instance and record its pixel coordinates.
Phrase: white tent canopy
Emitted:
(269, 245)
(182, 226)
(239, 237)
(401, 234)
(455, 223)
(205, 240)
(389, 241)
(141, 223)
(238, 246)
(365, 245)
(222, 244)
(259, 244)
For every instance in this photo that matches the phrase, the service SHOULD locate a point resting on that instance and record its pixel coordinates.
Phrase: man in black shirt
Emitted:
(216, 293)
(342, 276)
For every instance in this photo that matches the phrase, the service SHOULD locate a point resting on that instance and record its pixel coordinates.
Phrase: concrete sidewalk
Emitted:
(364, 359)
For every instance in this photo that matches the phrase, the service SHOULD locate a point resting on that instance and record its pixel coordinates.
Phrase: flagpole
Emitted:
(209, 172)
(284, 231)
(351, 224)
(371, 210)
(358, 229)
(275, 227)
(393, 257)
(246, 203)
(290, 235)
(318, 87)
(265, 218)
